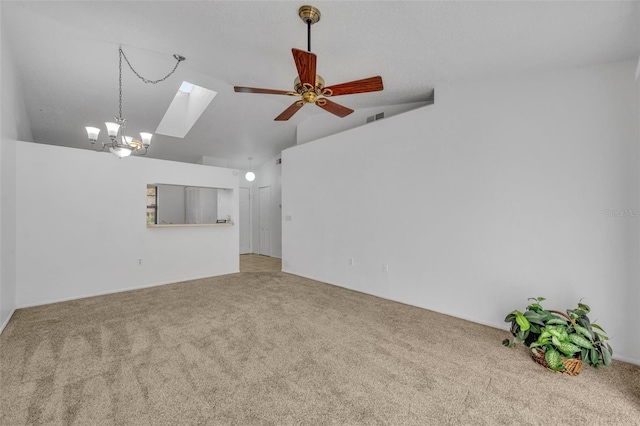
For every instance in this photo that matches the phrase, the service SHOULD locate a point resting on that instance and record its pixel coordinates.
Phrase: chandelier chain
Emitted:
(178, 59)
(147, 81)
(120, 85)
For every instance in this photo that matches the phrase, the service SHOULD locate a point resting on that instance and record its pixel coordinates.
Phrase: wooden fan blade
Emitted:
(371, 84)
(333, 107)
(306, 66)
(288, 113)
(241, 89)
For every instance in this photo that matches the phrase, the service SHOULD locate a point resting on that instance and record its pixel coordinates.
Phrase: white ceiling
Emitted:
(67, 57)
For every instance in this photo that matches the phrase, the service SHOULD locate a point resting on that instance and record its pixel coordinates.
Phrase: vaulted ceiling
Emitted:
(67, 56)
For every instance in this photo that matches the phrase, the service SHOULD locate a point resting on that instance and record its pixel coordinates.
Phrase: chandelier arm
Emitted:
(93, 146)
(178, 58)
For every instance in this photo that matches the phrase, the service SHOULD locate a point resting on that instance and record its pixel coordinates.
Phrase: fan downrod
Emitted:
(309, 14)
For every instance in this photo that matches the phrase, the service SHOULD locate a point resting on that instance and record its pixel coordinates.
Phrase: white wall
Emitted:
(503, 190)
(81, 225)
(14, 125)
(321, 125)
(267, 174)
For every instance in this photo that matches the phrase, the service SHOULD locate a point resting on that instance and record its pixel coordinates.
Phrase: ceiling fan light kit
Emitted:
(119, 144)
(308, 85)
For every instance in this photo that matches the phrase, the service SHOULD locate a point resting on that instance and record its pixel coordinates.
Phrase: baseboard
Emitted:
(104, 293)
(265, 255)
(488, 324)
(4, 324)
(626, 359)
(499, 326)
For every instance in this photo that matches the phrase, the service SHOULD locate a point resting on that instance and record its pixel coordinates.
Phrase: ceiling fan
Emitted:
(309, 86)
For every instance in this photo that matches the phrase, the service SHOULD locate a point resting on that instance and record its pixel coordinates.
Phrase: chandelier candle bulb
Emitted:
(146, 138)
(92, 133)
(112, 129)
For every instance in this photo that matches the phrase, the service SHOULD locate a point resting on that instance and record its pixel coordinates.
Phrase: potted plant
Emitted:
(560, 341)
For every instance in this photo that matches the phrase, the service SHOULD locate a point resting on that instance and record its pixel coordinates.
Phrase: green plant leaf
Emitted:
(535, 317)
(584, 307)
(553, 359)
(601, 336)
(522, 321)
(558, 331)
(568, 348)
(584, 331)
(580, 341)
(610, 349)
(510, 317)
(535, 307)
(507, 343)
(584, 353)
(598, 327)
(522, 335)
(557, 320)
(542, 342)
(584, 321)
(594, 356)
(572, 314)
(606, 357)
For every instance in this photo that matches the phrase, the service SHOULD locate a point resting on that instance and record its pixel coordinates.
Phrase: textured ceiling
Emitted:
(67, 56)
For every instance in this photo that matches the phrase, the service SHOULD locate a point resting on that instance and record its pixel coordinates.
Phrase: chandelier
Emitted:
(120, 144)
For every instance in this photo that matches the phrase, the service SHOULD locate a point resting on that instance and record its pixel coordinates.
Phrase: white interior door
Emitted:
(265, 231)
(245, 221)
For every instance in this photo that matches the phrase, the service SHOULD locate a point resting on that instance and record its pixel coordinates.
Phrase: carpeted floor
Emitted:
(272, 348)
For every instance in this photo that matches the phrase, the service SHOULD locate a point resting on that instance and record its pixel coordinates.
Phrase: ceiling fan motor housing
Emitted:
(309, 14)
(309, 93)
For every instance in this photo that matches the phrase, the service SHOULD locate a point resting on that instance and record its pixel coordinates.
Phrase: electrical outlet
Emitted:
(385, 267)
(139, 261)
(351, 262)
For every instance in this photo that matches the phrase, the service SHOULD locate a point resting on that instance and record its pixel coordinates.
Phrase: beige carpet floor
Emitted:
(276, 349)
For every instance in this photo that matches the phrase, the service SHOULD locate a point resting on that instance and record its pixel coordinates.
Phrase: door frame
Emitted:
(250, 225)
(268, 222)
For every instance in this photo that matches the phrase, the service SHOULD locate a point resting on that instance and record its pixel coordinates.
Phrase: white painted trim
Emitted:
(104, 293)
(638, 70)
(4, 324)
(250, 215)
(627, 360)
(404, 302)
(500, 327)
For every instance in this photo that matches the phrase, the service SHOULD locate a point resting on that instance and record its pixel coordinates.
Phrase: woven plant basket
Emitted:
(571, 365)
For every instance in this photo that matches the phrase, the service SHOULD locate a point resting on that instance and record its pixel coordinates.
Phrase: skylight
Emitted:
(186, 108)
(186, 87)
